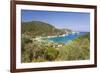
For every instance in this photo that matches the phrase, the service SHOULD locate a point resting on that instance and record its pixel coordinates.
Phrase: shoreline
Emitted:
(40, 38)
(51, 36)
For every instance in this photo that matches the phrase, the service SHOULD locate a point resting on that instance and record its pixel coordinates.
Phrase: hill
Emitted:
(38, 28)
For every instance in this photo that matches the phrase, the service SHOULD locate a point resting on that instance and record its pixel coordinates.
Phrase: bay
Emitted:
(66, 37)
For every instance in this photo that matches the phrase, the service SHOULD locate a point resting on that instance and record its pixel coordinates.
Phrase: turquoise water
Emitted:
(66, 38)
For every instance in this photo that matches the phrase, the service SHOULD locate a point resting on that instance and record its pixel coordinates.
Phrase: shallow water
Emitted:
(66, 38)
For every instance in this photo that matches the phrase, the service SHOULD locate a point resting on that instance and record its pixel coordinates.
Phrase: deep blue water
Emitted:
(66, 38)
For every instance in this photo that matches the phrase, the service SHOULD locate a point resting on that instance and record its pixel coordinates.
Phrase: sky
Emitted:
(75, 21)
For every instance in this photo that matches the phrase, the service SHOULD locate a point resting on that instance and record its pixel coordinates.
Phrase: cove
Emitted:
(65, 38)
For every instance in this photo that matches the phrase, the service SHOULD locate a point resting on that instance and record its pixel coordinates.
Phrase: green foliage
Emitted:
(27, 52)
(77, 49)
(26, 40)
(40, 51)
(51, 54)
(37, 28)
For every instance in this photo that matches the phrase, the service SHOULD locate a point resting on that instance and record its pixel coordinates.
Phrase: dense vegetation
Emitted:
(37, 28)
(77, 49)
(41, 51)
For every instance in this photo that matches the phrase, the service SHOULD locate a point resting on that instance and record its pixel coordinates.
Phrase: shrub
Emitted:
(51, 54)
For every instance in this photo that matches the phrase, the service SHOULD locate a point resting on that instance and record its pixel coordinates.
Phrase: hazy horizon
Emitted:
(75, 21)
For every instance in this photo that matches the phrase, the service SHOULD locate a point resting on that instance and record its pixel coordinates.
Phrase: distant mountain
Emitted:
(38, 28)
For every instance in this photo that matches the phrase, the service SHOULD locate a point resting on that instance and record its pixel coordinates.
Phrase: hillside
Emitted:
(77, 49)
(35, 51)
(37, 28)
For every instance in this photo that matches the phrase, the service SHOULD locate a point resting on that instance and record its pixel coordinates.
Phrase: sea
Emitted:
(66, 37)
